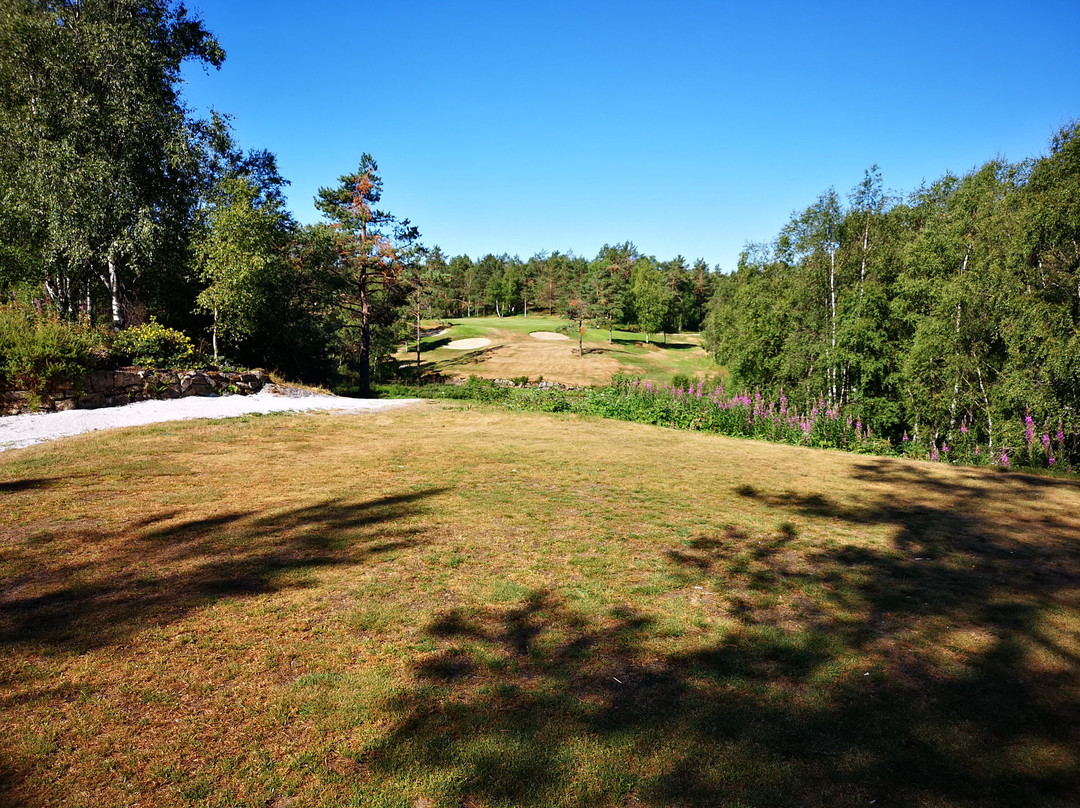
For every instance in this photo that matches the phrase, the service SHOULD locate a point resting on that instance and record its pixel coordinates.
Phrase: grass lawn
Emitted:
(513, 353)
(448, 605)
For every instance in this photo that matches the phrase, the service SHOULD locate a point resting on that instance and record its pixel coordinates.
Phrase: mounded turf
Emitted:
(453, 606)
(515, 351)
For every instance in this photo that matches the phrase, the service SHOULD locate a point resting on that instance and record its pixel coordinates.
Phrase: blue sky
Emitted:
(686, 127)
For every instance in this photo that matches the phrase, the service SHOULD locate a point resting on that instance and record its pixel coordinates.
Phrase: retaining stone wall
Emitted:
(111, 388)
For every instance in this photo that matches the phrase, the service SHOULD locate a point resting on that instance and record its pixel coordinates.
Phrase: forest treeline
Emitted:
(950, 310)
(949, 313)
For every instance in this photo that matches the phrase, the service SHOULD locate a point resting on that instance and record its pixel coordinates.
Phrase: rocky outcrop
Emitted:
(112, 388)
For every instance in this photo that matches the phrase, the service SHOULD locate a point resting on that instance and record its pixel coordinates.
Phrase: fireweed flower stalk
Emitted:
(713, 408)
(743, 415)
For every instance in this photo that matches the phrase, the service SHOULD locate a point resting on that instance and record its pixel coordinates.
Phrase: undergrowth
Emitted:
(698, 406)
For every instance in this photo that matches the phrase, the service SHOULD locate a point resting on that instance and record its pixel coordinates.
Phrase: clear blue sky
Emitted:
(686, 127)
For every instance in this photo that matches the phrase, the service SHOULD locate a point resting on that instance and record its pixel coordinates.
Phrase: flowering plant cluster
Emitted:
(712, 409)
(696, 405)
(1044, 447)
(154, 345)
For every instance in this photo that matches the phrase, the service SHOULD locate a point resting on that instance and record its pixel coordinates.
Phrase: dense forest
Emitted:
(952, 310)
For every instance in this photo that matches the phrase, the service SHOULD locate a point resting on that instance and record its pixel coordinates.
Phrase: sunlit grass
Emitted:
(514, 354)
(455, 606)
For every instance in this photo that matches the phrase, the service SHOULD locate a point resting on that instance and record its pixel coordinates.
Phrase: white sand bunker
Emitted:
(467, 344)
(547, 335)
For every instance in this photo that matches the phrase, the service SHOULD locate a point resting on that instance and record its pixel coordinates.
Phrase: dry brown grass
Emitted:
(447, 605)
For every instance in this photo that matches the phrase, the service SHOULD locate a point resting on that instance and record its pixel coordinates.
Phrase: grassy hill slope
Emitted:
(513, 353)
(454, 606)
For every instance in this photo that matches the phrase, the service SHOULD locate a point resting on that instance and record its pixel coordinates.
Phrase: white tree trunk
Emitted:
(114, 293)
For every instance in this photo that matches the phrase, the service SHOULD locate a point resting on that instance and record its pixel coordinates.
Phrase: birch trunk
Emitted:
(956, 351)
(114, 292)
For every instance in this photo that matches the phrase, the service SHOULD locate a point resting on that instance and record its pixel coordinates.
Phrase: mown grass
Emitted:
(454, 606)
(517, 354)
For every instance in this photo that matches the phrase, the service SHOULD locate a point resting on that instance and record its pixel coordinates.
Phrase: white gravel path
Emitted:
(17, 431)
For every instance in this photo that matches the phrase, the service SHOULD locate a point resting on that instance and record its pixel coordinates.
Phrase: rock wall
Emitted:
(111, 388)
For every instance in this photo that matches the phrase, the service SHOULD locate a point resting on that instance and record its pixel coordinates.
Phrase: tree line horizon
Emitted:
(953, 306)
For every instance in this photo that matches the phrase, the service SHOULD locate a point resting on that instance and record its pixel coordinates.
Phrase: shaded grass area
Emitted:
(446, 606)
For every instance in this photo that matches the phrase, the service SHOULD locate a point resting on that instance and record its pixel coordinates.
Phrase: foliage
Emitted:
(949, 316)
(651, 297)
(241, 256)
(153, 345)
(40, 352)
(99, 163)
(373, 248)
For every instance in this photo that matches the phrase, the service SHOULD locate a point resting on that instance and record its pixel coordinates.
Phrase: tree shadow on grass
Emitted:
(430, 343)
(940, 669)
(150, 573)
(28, 484)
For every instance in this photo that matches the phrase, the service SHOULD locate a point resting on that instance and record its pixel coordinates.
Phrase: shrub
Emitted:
(153, 345)
(40, 352)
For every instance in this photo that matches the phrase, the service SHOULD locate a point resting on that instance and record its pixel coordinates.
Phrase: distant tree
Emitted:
(463, 281)
(651, 297)
(422, 279)
(677, 282)
(702, 284)
(604, 293)
(373, 250)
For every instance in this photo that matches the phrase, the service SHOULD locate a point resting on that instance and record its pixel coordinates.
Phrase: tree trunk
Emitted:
(832, 323)
(114, 293)
(956, 381)
(214, 335)
(986, 404)
(418, 336)
(365, 342)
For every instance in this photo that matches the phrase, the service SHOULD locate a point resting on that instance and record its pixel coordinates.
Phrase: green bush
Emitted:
(155, 346)
(40, 352)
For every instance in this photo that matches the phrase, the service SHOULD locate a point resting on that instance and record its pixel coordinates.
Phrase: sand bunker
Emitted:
(468, 344)
(547, 335)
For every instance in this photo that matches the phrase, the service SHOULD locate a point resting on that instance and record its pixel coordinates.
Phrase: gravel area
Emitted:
(17, 431)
